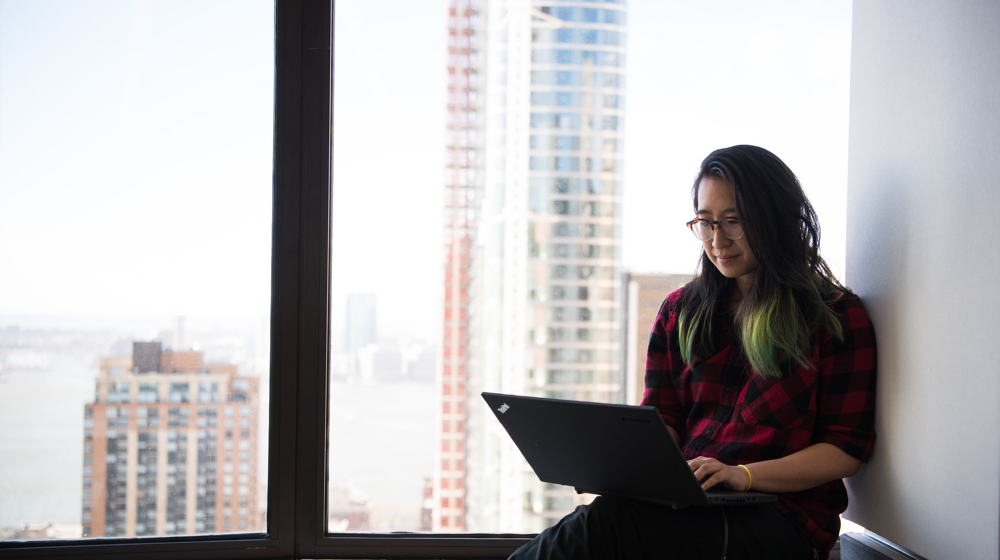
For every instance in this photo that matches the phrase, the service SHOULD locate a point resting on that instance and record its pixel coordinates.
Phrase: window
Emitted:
(118, 392)
(208, 392)
(144, 463)
(300, 332)
(148, 393)
(178, 393)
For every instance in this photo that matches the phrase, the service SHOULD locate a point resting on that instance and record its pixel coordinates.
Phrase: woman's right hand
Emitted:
(712, 472)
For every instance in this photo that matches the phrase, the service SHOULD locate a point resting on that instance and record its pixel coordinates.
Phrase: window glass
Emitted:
(479, 232)
(525, 250)
(135, 227)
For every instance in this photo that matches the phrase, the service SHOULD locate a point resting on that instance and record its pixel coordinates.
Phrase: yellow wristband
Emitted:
(749, 478)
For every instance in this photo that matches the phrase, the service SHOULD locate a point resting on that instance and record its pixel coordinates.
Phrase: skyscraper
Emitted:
(464, 142)
(170, 447)
(359, 322)
(545, 291)
(360, 335)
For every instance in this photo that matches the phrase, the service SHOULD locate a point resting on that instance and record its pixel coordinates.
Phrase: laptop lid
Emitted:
(605, 449)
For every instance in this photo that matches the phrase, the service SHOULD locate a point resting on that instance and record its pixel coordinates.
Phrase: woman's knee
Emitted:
(608, 508)
(611, 504)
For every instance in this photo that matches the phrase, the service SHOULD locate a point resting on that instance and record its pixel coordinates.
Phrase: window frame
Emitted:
(299, 273)
(300, 343)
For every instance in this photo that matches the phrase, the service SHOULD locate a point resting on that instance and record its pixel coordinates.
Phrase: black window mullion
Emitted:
(313, 328)
(290, 277)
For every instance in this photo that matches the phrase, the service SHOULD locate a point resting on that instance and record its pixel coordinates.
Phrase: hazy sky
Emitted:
(135, 145)
(701, 75)
(135, 157)
(705, 75)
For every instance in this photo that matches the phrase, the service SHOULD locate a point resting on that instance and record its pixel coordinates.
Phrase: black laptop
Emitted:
(606, 449)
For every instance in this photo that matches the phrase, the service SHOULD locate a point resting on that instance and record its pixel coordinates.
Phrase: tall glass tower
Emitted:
(545, 295)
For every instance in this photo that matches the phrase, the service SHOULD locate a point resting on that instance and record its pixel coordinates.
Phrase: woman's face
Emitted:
(732, 257)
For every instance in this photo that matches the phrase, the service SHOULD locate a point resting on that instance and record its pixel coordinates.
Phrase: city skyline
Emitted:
(74, 257)
(790, 60)
(44, 405)
(42, 401)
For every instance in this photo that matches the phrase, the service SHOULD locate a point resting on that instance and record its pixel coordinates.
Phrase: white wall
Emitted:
(923, 252)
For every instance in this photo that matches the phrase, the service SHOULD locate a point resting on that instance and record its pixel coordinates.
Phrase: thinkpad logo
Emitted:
(503, 408)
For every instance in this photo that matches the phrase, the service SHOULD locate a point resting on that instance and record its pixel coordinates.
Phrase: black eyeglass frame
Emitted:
(714, 224)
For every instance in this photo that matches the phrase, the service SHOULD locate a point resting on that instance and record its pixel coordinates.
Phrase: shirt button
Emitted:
(728, 390)
(708, 432)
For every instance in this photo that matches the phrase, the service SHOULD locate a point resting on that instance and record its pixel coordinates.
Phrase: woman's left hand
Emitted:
(710, 472)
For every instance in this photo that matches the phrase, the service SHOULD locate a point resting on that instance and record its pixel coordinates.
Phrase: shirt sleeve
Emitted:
(846, 391)
(663, 365)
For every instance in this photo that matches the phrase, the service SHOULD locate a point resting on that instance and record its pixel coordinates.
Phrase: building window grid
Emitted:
(116, 482)
(206, 506)
(176, 506)
(146, 483)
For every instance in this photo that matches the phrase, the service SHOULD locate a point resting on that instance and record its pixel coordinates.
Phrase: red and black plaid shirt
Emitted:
(721, 409)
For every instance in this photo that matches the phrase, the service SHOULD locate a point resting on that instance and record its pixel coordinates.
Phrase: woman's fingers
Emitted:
(705, 470)
(710, 472)
(699, 461)
(717, 478)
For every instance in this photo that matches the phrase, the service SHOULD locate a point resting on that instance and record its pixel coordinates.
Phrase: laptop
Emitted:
(607, 449)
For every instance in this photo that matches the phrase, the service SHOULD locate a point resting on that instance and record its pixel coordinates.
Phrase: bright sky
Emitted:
(706, 75)
(135, 145)
(135, 157)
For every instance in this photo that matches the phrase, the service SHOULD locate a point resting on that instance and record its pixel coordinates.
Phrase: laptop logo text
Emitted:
(503, 408)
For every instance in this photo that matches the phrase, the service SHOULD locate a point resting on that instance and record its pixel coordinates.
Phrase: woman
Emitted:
(763, 369)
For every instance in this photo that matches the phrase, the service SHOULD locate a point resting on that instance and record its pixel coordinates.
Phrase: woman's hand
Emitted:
(710, 472)
(807, 468)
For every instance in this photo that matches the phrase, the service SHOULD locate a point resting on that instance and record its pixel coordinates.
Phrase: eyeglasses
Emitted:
(705, 229)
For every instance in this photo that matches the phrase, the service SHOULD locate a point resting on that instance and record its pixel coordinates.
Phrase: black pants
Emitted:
(626, 529)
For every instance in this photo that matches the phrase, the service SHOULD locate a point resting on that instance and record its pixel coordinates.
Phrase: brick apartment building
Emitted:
(170, 447)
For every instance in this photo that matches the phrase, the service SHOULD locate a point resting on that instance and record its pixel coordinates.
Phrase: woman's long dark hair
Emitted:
(789, 298)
